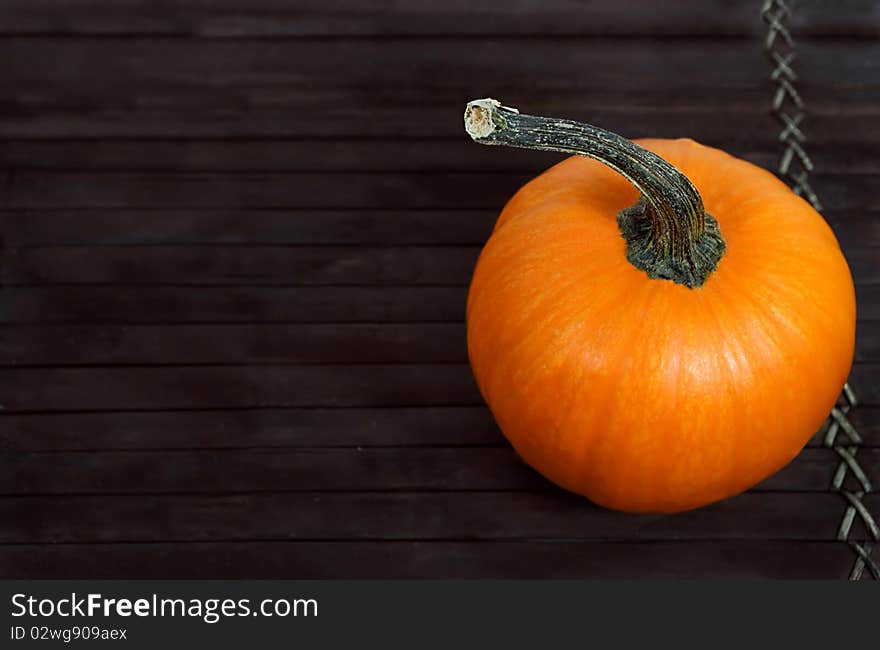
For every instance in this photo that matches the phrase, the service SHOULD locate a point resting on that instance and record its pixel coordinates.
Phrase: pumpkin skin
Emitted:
(644, 395)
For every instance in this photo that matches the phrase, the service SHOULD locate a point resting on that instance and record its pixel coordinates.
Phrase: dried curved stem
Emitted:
(668, 232)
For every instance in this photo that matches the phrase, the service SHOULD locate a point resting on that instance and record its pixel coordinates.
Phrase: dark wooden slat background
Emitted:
(234, 266)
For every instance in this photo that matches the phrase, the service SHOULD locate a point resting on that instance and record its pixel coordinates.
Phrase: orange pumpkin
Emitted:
(663, 393)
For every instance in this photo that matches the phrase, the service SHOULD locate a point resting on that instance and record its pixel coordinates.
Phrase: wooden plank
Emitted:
(242, 265)
(206, 387)
(867, 420)
(846, 191)
(34, 190)
(340, 112)
(726, 119)
(296, 428)
(209, 88)
(231, 304)
(276, 470)
(286, 155)
(279, 227)
(254, 344)
(854, 228)
(190, 387)
(275, 265)
(233, 344)
(341, 469)
(867, 341)
(321, 190)
(868, 302)
(751, 559)
(296, 227)
(310, 18)
(542, 515)
(139, 305)
(205, 70)
(252, 428)
(832, 149)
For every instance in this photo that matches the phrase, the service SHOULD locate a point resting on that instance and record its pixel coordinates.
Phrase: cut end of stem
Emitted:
(483, 116)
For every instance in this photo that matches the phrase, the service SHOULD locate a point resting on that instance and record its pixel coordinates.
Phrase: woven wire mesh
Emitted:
(850, 480)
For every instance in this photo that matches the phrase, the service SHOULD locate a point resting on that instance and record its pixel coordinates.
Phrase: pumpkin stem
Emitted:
(668, 233)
